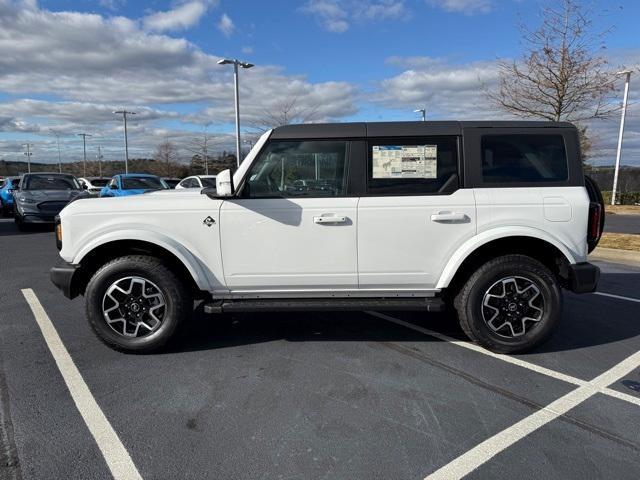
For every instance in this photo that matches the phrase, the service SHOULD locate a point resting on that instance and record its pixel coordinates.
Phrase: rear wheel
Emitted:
(136, 304)
(510, 304)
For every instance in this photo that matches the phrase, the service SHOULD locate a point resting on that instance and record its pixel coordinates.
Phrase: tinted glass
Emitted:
(144, 183)
(100, 182)
(523, 158)
(50, 182)
(299, 169)
(208, 182)
(420, 166)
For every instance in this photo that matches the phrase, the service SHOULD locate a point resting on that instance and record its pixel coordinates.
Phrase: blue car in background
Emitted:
(6, 195)
(128, 184)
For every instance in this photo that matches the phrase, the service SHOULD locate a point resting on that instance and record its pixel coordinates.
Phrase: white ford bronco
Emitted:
(491, 218)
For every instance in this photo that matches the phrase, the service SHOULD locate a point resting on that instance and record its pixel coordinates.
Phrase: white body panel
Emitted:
(286, 244)
(400, 245)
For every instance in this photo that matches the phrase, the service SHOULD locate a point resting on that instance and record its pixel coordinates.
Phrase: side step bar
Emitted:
(325, 304)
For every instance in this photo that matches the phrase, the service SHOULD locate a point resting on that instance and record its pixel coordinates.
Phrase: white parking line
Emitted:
(113, 451)
(619, 297)
(485, 451)
(506, 358)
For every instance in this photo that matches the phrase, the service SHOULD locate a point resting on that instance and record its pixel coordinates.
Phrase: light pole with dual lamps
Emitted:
(236, 63)
(627, 74)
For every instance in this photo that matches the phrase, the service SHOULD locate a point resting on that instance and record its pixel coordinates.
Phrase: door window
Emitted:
(307, 168)
(415, 166)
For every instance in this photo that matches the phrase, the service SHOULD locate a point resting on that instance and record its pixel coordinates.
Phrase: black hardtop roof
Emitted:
(405, 129)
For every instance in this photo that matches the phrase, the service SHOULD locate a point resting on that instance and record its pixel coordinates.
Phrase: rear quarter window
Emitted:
(523, 158)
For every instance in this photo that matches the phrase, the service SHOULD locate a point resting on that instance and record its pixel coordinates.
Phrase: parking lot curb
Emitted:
(615, 255)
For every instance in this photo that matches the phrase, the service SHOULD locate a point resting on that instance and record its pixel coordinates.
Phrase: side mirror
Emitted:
(85, 187)
(224, 184)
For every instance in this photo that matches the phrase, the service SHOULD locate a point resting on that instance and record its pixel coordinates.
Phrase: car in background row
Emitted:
(124, 185)
(172, 182)
(198, 181)
(42, 196)
(93, 185)
(9, 185)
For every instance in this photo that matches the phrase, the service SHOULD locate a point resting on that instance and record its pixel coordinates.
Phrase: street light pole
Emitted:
(423, 111)
(58, 140)
(236, 63)
(84, 152)
(124, 114)
(627, 74)
(28, 153)
(99, 161)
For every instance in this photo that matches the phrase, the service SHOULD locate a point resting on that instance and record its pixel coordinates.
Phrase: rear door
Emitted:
(293, 229)
(413, 215)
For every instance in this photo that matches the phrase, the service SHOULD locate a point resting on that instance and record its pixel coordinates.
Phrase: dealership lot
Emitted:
(314, 395)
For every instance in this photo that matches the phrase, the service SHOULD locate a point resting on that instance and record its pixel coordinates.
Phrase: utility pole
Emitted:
(28, 153)
(84, 151)
(124, 114)
(627, 74)
(99, 157)
(59, 157)
(236, 63)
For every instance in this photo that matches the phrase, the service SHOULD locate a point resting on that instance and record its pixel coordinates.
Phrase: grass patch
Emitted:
(621, 241)
(622, 209)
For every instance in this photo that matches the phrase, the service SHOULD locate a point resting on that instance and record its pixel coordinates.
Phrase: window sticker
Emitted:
(405, 161)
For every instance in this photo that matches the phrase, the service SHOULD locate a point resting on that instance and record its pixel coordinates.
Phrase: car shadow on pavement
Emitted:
(206, 332)
(8, 228)
(587, 321)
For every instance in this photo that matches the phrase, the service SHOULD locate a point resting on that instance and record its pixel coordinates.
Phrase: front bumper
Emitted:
(62, 277)
(583, 277)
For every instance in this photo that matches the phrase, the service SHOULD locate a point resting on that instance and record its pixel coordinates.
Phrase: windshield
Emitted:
(143, 183)
(50, 182)
(99, 182)
(208, 182)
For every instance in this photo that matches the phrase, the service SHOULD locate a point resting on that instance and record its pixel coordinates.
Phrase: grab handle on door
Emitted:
(449, 217)
(329, 218)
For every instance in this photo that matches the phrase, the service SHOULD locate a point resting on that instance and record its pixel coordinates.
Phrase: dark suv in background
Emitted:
(42, 196)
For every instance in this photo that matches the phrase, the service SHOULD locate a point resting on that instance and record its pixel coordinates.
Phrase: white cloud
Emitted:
(467, 7)
(183, 16)
(247, 50)
(226, 25)
(337, 15)
(113, 5)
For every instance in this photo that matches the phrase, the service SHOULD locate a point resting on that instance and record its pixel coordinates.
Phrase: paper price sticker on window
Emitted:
(405, 161)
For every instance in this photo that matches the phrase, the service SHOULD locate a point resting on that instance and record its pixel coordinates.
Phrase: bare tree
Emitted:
(284, 113)
(200, 147)
(563, 75)
(166, 155)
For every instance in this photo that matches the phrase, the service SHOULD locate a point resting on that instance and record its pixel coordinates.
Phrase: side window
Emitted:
(414, 166)
(113, 183)
(306, 168)
(185, 183)
(517, 158)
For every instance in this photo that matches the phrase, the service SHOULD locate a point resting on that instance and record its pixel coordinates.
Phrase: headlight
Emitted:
(26, 200)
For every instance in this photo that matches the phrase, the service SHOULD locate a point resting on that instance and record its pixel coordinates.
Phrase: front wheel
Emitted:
(135, 303)
(510, 304)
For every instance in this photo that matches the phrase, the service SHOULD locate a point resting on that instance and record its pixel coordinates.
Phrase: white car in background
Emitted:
(93, 185)
(197, 181)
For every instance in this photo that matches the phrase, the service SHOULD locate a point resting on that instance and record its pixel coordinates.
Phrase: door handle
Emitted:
(449, 217)
(330, 218)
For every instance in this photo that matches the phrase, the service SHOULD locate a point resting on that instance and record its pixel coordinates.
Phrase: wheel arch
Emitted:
(90, 260)
(553, 254)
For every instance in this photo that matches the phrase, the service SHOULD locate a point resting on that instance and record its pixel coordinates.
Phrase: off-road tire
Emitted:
(468, 303)
(178, 298)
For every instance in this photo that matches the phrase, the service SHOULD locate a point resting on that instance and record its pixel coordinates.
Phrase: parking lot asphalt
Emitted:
(318, 395)
(617, 223)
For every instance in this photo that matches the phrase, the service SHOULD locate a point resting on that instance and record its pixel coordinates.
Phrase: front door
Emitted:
(414, 216)
(293, 227)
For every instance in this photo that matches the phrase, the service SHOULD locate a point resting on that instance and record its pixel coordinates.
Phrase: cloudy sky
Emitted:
(67, 65)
